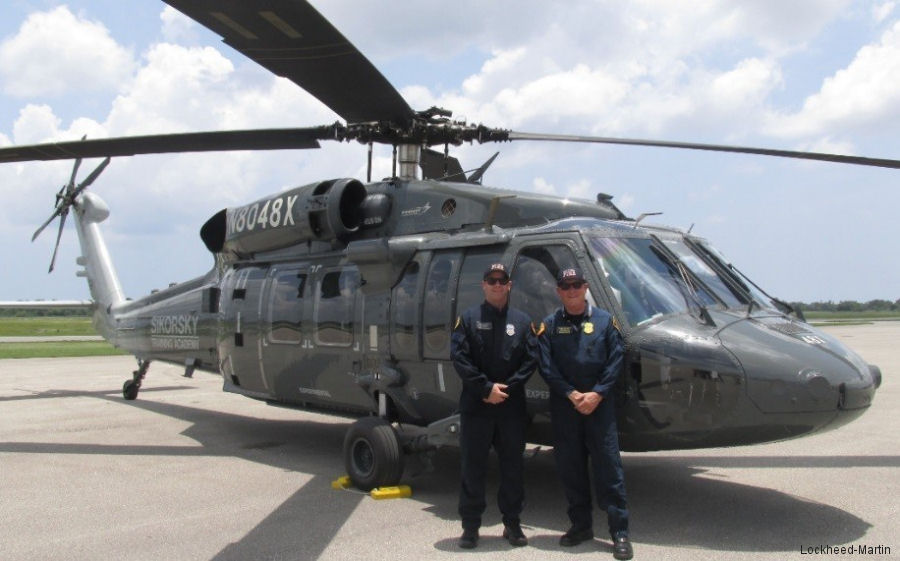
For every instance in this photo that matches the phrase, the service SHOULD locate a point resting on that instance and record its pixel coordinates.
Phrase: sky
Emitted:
(816, 75)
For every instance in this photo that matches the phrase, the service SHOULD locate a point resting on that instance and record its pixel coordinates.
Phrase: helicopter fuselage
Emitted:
(355, 317)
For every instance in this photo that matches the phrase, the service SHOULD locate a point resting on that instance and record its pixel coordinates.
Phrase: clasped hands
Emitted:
(585, 403)
(497, 394)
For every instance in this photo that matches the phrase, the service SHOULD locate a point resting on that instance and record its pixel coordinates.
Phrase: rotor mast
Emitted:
(408, 156)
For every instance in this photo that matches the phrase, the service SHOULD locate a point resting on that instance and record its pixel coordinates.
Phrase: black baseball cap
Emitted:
(570, 274)
(496, 268)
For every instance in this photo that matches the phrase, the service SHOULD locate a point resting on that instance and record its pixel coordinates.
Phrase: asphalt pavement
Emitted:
(187, 472)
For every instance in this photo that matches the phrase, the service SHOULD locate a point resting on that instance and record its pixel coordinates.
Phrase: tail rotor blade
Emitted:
(71, 184)
(44, 225)
(65, 198)
(62, 223)
(94, 174)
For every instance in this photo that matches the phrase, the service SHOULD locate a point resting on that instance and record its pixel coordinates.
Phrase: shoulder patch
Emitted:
(458, 321)
(540, 330)
(615, 323)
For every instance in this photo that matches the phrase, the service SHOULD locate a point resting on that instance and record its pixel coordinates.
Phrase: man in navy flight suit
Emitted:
(581, 355)
(494, 350)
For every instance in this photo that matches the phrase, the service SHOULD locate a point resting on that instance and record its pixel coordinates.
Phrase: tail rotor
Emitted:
(65, 198)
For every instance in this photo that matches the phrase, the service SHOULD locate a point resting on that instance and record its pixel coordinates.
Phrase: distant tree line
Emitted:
(851, 306)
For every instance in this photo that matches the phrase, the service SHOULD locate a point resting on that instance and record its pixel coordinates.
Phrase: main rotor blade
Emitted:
(839, 158)
(293, 40)
(262, 139)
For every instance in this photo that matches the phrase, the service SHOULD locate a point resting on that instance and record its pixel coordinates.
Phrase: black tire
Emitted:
(130, 390)
(372, 454)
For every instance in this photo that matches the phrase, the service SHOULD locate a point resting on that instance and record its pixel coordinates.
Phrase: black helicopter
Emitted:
(340, 295)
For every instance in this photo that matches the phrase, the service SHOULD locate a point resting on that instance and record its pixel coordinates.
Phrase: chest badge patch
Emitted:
(588, 327)
(510, 329)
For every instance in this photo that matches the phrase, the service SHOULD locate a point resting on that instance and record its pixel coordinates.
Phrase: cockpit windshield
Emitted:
(643, 281)
(713, 254)
(729, 296)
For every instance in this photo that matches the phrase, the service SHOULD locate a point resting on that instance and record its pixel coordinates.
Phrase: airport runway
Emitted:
(187, 472)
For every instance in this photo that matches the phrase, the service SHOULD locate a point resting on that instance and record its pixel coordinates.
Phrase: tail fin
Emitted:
(90, 210)
(103, 282)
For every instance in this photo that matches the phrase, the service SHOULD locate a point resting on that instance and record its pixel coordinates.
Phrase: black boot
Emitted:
(622, 546)
(469, 539)
(575, 536)
(513, 534)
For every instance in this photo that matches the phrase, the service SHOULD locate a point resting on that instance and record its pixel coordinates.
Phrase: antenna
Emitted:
(643, 216)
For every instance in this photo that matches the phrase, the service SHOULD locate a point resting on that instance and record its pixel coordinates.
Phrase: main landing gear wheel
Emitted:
(130, 387)
(372, 454)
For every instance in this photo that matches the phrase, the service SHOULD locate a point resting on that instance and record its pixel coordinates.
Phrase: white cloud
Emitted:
(881, 12)
(864, 94)
(38, 123)
(747, 85)
(56, 50)
(540, 185)
(176, 26)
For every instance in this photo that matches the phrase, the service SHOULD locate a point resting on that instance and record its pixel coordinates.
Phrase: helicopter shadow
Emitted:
(674, 502)
(308, 446)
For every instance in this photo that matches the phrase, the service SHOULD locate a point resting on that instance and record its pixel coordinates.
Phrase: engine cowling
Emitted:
(328, 210)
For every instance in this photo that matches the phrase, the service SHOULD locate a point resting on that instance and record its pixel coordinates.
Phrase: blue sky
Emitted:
(805, 75)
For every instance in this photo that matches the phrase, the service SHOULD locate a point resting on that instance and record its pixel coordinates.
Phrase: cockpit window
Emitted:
(715, 256)
(645, 284)
(704, 272)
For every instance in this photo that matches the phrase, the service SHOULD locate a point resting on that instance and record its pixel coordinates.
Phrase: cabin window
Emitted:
(335, 313)
(438, 313)
(286, 306)
(534, 279)
(405, 307)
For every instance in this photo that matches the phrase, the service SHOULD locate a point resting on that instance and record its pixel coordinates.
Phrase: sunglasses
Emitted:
(497, 280)
(570, 285)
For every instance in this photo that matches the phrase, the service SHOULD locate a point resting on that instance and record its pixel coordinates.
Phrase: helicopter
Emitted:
(339, 295)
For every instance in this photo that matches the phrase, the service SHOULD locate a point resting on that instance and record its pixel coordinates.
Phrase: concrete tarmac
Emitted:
(187, 472)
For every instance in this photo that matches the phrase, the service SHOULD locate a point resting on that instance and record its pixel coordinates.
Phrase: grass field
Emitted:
(57, 349)
(851, 316)
(49, 327)
(45, 326)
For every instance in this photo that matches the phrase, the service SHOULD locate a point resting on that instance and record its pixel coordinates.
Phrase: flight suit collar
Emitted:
(490, 309)
(588, 312)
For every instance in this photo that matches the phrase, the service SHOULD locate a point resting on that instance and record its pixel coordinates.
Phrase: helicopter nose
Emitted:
(792, 368)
